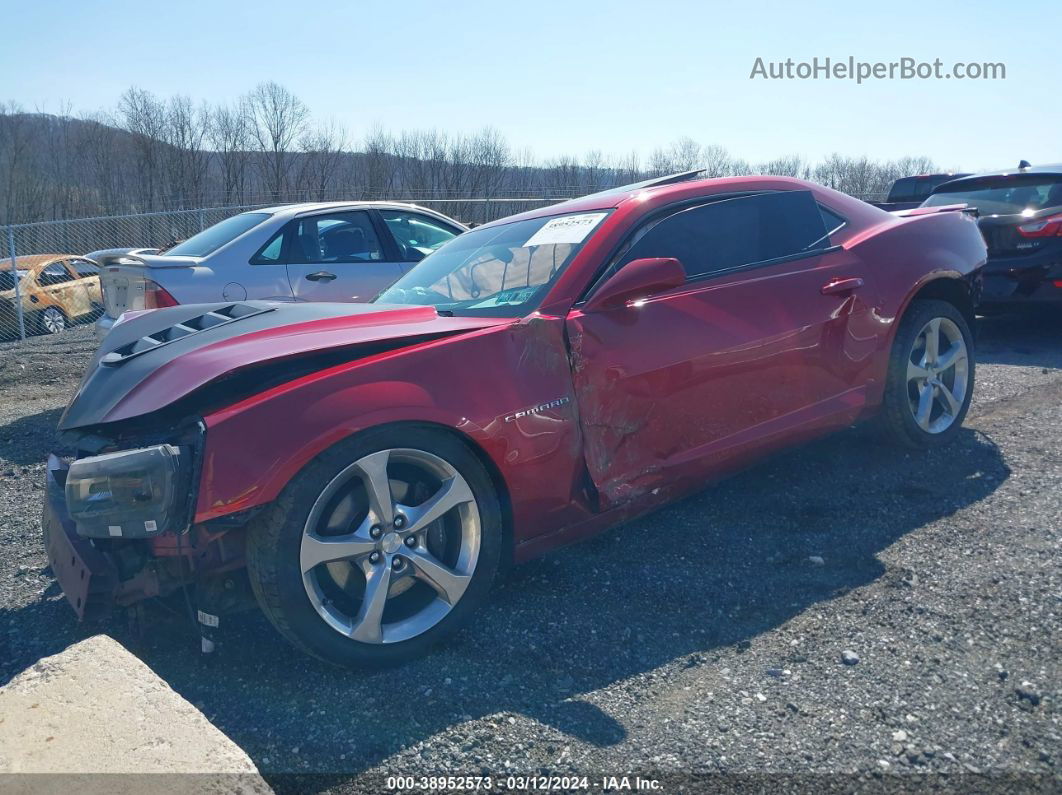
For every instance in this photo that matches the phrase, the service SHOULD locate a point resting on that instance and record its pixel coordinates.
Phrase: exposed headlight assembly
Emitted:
(128, 494)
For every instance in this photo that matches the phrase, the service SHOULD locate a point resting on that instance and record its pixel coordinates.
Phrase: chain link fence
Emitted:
(48, 282)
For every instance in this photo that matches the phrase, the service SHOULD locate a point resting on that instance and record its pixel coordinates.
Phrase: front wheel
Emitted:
(931, 375)
(379, 548)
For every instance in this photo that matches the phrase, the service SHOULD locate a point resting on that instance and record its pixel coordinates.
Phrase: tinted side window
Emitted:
(271, 252)
(335, 237)
(831, 219)
(730, 233)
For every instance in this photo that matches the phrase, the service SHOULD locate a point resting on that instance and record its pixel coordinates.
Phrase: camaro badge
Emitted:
(537, 409)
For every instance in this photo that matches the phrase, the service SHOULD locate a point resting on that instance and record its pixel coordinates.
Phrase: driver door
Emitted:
(756, 350)
(338, 257)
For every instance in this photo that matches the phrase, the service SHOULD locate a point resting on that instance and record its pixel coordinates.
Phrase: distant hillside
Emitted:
(154, 154)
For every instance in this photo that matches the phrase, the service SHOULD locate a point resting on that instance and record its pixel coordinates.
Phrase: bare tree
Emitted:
(788, 166)
(22, 185)
(184, 158)
(323, 149)
(630, 168)
(144, 118)
(278, 119)
(229, 133)
(151, 153)
(377, 170)
(107, 163)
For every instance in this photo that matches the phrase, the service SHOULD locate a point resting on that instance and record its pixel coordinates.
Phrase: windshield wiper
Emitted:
(444, 312)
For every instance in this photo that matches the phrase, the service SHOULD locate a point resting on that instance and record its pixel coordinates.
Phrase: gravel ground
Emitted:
(829, 611)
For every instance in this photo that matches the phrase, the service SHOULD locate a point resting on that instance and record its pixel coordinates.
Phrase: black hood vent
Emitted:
(213, 318)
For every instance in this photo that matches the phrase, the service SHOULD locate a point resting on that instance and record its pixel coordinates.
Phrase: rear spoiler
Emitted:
(944, 208)
(155, 261)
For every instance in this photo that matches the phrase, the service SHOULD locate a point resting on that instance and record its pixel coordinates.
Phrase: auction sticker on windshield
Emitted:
(566, 229)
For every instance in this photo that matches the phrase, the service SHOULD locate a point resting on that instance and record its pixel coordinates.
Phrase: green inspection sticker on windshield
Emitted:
(566, 229)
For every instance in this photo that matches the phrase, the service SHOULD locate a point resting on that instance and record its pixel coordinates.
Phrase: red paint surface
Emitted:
(683, 387)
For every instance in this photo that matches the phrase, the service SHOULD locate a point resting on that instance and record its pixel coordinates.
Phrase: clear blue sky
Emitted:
(568, 77)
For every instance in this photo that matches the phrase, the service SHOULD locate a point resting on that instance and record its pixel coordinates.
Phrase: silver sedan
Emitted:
(335, 251)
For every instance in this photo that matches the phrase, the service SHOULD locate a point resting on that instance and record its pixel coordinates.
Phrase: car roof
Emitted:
(302, 208)
(1049, 169)
(952, 174)
(660, 190)
(35, 261)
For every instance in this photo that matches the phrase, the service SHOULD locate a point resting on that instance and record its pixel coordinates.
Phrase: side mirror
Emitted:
(639, 278)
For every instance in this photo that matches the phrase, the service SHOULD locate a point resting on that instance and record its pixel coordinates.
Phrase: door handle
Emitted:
(320, 276)
(838, 286)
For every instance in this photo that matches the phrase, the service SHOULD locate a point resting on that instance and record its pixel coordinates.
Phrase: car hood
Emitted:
(155, 359)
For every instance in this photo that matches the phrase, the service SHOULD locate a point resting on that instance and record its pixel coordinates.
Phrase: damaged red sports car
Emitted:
(364, 470)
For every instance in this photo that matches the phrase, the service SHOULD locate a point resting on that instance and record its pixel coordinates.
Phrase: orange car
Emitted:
(56, 290)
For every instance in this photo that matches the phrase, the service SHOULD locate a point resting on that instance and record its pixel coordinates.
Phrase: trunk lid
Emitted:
(1003, 238)
(122, 280)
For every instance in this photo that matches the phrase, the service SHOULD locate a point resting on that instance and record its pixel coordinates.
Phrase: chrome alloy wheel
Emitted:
(937, 375)
(53, 320)
(390, 545)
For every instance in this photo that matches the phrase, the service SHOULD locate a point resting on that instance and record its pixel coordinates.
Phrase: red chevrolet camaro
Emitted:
(364, 470)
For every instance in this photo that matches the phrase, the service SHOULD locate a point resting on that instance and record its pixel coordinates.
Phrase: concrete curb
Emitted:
(89, 718)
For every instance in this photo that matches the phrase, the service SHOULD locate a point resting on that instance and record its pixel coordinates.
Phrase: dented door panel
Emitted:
(681, 385)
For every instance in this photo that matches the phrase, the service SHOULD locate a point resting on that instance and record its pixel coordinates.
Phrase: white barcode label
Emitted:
(207, 620)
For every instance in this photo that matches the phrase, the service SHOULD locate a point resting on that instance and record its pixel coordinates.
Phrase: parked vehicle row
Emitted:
(367, 468)
(352, 251)
(339, 251)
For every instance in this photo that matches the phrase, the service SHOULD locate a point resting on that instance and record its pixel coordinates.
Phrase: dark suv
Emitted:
(1020, 215)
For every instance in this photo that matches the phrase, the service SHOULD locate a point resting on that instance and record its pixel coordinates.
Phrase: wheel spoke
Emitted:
(317, 550)
(951, 357)
(925, 406)
(449, 584)
(452, 493)
(368, 623)
(377, 485)
(950, 401)
(917, 372)
(932, 333)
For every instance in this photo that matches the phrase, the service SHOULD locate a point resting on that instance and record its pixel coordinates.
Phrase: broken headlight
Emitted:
(127, 494)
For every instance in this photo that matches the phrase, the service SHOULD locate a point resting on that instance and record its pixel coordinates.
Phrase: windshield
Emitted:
(212, 238)
(498, 270)
(1003, 195)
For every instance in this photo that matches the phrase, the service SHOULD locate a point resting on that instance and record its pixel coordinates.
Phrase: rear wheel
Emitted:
(931, 375)
(379, 548)
(52, 321)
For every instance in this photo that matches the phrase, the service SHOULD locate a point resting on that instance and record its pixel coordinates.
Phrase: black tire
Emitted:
(897, 420)
(274, 538)
(60, 317)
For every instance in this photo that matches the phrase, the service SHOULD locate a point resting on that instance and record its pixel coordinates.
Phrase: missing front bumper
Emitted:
(87, 577)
